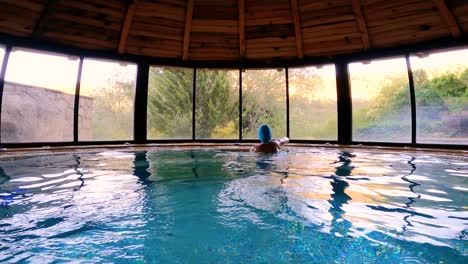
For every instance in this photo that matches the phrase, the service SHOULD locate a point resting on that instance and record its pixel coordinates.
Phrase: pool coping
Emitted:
(6, 153)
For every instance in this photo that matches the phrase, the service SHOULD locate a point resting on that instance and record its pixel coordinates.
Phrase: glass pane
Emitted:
(107, 112)
(263, 102)
(217, 104)
(381, 101)
(2, 54)
(38, 98)
(312, 103)
(441, 88)
(170, 92)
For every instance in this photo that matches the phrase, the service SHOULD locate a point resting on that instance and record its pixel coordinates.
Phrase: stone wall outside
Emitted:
(37, 114)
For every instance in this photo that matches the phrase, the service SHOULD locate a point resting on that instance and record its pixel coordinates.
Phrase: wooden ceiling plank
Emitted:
(357, 9)
(94, 7)
(297, 28)
(126, 26)
(188, 29)
(241, 7)
(449, 18)
(48, 6)
(35, 7)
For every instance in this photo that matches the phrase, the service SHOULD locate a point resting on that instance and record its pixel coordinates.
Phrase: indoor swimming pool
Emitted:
(302, 205)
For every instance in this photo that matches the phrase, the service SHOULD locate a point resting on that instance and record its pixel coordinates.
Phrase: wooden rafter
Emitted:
(357, 9)
(241, 7)
(188, 29)
(39, 28)
(449, 18)
(297, 28)
(126, 26)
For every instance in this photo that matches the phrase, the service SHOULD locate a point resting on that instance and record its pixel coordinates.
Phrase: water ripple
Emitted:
(300, 206)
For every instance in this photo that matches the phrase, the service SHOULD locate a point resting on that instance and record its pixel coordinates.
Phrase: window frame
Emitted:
(342, 75)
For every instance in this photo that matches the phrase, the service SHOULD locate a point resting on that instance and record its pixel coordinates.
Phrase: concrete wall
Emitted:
(36, 114)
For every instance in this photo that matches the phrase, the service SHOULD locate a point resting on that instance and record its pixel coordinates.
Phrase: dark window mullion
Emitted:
(287, 101)
(344, 106)
(240, 104)
(140, 118)
(413, 100)
(77, 101)
(194, 93)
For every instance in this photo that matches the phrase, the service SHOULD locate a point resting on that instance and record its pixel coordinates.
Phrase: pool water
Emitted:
(211, 206)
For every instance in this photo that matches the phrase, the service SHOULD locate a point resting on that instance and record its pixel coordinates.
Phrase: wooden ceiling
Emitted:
(234, 30)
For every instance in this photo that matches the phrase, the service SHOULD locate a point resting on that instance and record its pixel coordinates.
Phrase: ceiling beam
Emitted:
(241, 7)
(188, 29)
(357, 9)
(449, 18)
(126, 26)
(43, 17)
(297, 28)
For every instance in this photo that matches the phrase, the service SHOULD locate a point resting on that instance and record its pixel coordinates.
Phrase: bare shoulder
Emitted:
(254, 148)
(271, 147)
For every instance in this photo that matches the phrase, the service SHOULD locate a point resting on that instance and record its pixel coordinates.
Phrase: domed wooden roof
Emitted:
(233, 30)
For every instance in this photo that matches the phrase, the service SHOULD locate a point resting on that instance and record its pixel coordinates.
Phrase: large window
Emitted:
(170, 92)
(441, 88)
(2, 54)
(38, 97)
(217, 104)
(312, 103)
(107, 101)
(381, 101)
(263, 102)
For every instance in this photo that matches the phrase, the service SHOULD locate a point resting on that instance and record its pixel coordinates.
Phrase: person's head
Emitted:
(265, 133)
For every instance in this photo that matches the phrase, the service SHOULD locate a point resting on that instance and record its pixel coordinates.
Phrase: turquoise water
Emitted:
(209, 206)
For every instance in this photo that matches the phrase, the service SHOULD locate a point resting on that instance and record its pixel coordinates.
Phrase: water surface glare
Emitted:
(211, 206)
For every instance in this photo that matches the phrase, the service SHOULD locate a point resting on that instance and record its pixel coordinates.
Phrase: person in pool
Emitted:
(268, 146)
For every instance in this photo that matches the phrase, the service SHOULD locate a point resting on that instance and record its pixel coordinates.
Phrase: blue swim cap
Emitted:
(265, 133)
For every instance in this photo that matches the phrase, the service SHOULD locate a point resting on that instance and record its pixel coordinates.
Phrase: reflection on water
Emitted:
(340, 226)
(301, 205)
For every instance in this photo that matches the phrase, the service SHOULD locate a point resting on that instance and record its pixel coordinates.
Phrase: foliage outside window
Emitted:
(38, 97)
(381, 101)
(312, 103)
(107, 98)
(263, 102)
(441, 88)
(217, 104)
(170, 92)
